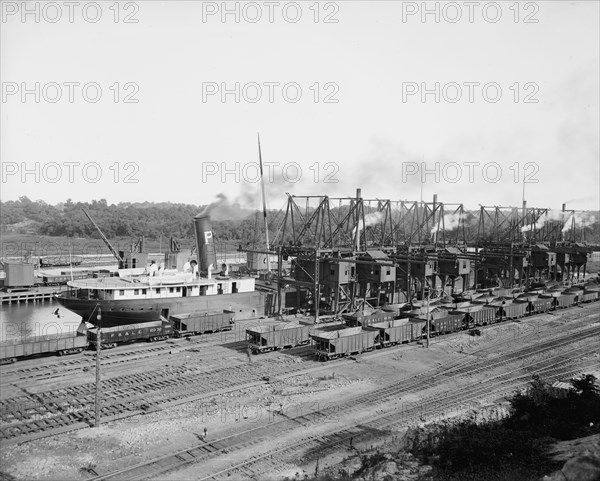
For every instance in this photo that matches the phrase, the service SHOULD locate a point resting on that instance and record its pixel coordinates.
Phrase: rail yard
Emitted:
(274, 413)
(392, 315)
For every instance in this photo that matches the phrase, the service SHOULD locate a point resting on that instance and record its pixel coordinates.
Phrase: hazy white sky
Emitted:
(175, 94)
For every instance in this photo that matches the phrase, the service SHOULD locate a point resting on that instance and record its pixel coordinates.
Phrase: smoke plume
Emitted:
(370, 219)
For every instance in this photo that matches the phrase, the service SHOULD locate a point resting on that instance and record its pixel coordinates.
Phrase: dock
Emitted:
(41, 294)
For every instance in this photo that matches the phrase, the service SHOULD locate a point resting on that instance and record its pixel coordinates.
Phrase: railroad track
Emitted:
(253, 437)
(55, 367)
(129, 395)
(46, 413)
(140, 352)
(429, 409)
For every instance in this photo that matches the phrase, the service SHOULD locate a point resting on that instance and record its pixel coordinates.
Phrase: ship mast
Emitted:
(264, 202)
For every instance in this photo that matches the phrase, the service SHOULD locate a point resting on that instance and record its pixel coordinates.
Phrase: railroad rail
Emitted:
(433, 407)
(22, 371)
(47, 413)
(254, 436)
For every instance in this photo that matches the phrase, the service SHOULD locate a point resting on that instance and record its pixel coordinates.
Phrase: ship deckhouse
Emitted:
(160, 287)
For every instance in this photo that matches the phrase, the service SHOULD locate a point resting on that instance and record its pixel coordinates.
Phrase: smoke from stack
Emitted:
(451, 222)
(223, 209)
(542, 220)
(370, 219)
(582, 219)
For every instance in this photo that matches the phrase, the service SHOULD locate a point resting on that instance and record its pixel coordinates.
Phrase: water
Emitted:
(18, 321)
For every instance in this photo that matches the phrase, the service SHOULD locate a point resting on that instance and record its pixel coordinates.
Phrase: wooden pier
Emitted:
(18, 297)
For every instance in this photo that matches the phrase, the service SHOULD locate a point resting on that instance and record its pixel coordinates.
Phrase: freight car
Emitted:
(453, 322)
(145, 331)
(477, 315)
(361, 319)
(565, 300)
(514, 310)
(397, 331)
(270, 338)
(185, 325)
(60, 279)
(331, 344)
(65, 343)
(540, 305)
(82, 339)
(589, 296)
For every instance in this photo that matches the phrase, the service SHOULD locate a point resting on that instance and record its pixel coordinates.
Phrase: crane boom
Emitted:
(108, 244)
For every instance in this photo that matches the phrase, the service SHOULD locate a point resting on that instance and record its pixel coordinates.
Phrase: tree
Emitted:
(586, 385)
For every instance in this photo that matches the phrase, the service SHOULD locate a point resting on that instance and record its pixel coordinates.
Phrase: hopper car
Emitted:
(344, 342)
(354, 320)
(589, 296)
(565, 300)
(185, 325)
(270, 338)
(61, 344)
(369, 332)
(398, 331)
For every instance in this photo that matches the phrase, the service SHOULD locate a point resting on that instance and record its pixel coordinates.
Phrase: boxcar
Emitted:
(397, 331)
(271, 338)
(64, 343)
(344, 342)
(198, 323)
(52, 280)
(144, 331)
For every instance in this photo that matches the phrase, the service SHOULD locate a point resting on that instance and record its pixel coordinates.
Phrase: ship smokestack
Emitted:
(204, 242)
(358, 227)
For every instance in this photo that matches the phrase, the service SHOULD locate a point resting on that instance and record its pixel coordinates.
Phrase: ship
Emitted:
(157, 295)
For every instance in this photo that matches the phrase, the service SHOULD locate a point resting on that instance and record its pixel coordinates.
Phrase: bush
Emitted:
(516, 447)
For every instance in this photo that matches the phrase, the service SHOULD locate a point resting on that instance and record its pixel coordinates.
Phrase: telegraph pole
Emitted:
(279, 280)
(424, 300)
(98, 349)
(428, 322)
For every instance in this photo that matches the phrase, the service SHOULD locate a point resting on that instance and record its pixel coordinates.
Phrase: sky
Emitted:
(162, 101)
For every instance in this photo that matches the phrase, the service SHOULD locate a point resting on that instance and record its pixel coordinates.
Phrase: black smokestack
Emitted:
(204, 242)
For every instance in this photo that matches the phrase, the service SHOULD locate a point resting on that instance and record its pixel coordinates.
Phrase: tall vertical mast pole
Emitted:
(97, 410)
(264, 201)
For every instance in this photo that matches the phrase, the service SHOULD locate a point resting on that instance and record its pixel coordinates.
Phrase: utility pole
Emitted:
(424, 300)
(317, 287)
(279, 279)
(428, 321)
(98, 349)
